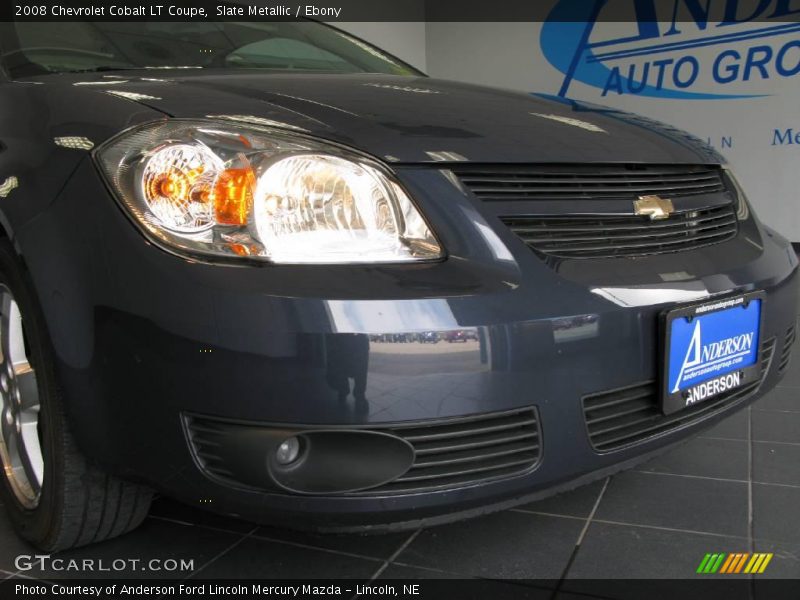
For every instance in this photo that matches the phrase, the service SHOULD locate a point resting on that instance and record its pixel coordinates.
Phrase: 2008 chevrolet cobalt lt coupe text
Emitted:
(270, 270)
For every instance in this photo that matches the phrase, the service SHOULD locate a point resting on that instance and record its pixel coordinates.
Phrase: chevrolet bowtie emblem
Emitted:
(655, 207)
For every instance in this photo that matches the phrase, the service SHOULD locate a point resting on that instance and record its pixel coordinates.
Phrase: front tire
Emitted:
(55, 497)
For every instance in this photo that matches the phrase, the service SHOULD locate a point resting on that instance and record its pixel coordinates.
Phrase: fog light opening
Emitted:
(288, 451)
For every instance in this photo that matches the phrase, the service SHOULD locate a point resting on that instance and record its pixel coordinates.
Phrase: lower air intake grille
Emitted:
(786, 352)
(467, 450)
(607, 237)
(448, 453)
(629, 415)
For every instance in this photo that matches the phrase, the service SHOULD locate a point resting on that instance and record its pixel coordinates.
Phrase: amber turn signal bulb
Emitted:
(233, 196)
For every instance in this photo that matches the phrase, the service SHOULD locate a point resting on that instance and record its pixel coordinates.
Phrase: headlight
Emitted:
(212, 189)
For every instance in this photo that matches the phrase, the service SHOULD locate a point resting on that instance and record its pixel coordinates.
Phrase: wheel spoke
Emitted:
(30, 454)
(9, 433)
(28, 389)
(16, 339)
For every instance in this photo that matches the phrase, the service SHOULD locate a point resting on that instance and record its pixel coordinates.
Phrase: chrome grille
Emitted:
(612, 236)
(625, 416)
(582, 182)
(467, 450)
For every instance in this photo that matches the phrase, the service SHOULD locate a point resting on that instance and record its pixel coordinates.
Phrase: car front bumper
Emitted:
(145, 340)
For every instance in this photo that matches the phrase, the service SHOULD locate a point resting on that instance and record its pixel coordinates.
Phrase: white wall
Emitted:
(405, 40)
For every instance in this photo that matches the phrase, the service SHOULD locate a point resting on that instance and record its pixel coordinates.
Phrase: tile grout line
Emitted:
(594, 511)
(750, 476)
(545, 514)
(721, 438)
(391, 558)
(317, 548)
(25, 576)
(639, 525)
(221, 554)
(786, 485)
(724, 439)
(275, 540)
(581, 536)
(750, 536)
(688, 476)
(431, 569)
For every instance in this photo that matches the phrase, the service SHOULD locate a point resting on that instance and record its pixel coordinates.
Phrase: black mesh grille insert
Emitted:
(786, 351)
(629, 415)
(467, 450)
(582, 182)
(612, 236)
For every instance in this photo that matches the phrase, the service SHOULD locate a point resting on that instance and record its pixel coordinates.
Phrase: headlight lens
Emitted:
(229, 191)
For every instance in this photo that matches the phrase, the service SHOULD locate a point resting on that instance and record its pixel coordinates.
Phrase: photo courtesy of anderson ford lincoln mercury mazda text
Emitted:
(270, 270)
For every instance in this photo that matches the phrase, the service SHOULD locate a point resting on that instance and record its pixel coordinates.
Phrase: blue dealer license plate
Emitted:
(711, 349)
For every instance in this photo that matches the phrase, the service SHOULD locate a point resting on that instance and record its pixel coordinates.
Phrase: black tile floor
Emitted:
(736, 488)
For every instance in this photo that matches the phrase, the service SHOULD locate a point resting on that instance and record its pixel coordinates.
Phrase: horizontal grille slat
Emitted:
(658, 424)
(476, 180)
(454, 444)
(571, 247)
(410, 487)
(207, 456)
(608, 225)
(786, 351)
(544, 182)
(580, 236)
(467, 456)
(205, 442)
(620, 239)
(624, 421)
(620, 397)
(630, 415)
(768, 349)
(198, 428)
(607, 415)
(468, 450)
(459, 430)
(605, 190)
(455, 470)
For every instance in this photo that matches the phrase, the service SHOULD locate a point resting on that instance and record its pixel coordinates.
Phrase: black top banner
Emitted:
(642, 11)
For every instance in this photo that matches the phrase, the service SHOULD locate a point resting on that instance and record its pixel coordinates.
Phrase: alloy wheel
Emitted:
(20, 442)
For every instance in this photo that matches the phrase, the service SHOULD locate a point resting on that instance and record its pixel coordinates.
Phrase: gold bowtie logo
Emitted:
(655, 207)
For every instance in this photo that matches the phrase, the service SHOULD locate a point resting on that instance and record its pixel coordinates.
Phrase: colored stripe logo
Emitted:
(737, 562)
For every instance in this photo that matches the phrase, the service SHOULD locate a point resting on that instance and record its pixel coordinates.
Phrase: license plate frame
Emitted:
(703, 387)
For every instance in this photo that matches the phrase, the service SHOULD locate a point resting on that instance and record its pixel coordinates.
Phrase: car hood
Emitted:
(419, 119)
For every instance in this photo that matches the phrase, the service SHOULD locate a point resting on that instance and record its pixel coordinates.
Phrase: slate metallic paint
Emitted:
(142, 335)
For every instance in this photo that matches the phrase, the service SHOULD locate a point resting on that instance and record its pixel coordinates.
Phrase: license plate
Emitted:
(710, 349)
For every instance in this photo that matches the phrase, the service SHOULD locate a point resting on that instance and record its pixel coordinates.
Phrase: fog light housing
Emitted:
(288, 451)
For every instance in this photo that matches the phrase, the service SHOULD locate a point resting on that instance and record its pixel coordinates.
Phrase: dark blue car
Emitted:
(225, 248)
